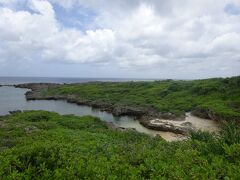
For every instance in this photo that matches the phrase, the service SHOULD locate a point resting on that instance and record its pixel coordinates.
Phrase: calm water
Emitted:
(21, 80)
(14, 99)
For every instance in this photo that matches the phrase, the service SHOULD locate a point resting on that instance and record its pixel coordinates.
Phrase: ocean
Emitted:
(60, 80)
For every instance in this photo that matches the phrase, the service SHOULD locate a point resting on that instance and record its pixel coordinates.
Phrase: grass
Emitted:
(46, 145)
(220, 96)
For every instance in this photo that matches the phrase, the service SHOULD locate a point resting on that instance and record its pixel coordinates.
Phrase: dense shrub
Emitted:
(219, 95)
(84, 148)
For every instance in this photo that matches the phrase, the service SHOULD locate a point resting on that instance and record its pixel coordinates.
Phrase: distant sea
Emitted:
(60, 80)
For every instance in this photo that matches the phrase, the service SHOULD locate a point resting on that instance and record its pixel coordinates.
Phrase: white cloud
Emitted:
(147, 34)
(42, 7)
(26, 35)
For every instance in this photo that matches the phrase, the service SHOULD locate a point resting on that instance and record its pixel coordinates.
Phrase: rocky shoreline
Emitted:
(167, 125)
(146, 117)
(38, 89)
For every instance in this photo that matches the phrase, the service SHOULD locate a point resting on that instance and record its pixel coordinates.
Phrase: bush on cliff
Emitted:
(220, 96)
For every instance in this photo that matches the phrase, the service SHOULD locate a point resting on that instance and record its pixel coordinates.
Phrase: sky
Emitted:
(120, 38)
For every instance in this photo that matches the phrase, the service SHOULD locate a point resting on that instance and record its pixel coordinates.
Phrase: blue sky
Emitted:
(78, 17)
(121, 38)
(232, 9)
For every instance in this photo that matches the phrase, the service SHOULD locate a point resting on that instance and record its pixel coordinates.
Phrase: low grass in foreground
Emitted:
(221, 96)
(45, 145)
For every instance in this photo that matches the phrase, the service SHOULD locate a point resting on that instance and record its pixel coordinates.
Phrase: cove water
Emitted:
(12, 98)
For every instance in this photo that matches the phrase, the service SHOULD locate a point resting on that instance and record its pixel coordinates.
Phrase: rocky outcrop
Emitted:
(145, 115)
(31, 129)
(167, 125)
(112, 126)
(133, 111)
(209, 114)
(38, 93)
(37, 90)
(202, 113)
(15, 112)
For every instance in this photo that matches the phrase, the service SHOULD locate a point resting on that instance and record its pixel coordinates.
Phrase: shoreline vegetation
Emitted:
(46, 145)
(216, 99)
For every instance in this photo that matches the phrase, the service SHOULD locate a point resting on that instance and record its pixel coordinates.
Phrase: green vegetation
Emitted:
(45, 145)
(219, 96)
